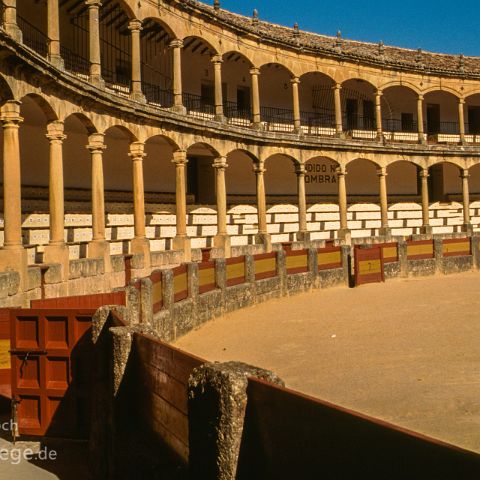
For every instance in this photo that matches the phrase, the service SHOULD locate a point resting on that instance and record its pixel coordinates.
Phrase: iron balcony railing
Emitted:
(33, 37)
(198, 105)
(74, 63)
(156, 95)
(358, 122)
(237, 115)
(116, 80)
(277, 119)
(397, 125)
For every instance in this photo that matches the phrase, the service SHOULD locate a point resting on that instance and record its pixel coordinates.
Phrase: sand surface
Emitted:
(407, 351)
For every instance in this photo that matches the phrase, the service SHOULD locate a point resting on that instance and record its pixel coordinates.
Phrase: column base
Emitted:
(58, 253)
(265, 239)
(180, 109)
(100, 249)
(57, 61)
(221, 118)
(303, 236)
(426, 230)
(14, 31)
(183, 243)
(97, 81)
(256, 126)
(467, 228)
(15, 259)
(141, 246)
(223, 241)
(422, 140)
(340, 135)
(385, 232)
(345, 234)
(138, 97)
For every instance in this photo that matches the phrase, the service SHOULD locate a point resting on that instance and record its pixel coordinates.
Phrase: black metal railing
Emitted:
(196, 104)
(358, 122)
(155, 94)
(451, 128)
(116, 80)
(277, 119)
(237, 115)
(73, 62)
(397, 125)
(33, 37)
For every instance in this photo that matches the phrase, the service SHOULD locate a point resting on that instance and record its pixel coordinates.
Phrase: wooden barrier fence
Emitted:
(265, 265)
(236, 272)
(420, 249)
(456, 247)
(329, 258)
(206, 277)
(180, 283)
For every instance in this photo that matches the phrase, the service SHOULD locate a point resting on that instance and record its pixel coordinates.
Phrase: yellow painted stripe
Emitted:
(206, 276)
(456, 247)
(366, 267)
(235, 270)
(180, 283)
(329, 258)
(265, 265)
(4, 354)
(157, 292)
(297, 261)
(413, 250)
(390, 252)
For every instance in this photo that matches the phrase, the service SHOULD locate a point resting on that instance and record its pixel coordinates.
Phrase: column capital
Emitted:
(300, 169)
(464, 173)
(337, 86)
(295, 80)
(424, 173)
(341, 171)
(180, 157)
(137, 151)
(93, 3)
(220, 163)
(177, 43)
(461, 101)
(254, 71)
(259, 167)
(10, 113)
(217, 59)
(135, 25)
(96, 143)
(379, 92)
(55, 131)
(382, 171)
(420, 97)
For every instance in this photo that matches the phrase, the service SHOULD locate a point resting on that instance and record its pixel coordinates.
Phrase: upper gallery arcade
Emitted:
(131, 104)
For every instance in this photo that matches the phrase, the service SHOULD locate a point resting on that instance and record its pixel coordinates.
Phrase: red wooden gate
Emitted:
(368, 264)
(51, 361)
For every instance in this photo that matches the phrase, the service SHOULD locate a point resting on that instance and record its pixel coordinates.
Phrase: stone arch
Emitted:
(400, 83)
(444, 179)
(321, 177)
(43, 104)
(236, 76)
(358, 104)
(127, 132)
(6, 92)
(474, 180)
(239, 176)
(399, 108)
(280, 178)
(85, 121)
(362, 179)
(402, 178)
(317, 102)
(200, 173)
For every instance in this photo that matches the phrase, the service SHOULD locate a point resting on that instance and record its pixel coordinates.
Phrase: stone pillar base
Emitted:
(385, 232)
(97, 81)
(265, 239)
(183, 243)
(221, 118)
(100, 249)
(14, 31)
(467, 228)
(179, 109)
(54, 253)
(141, 246)
(345, 234)
(15, 259)
(223, 241)
(340, 135)
(256, 125)
(138, 97)
(303, 236)
(422, 140)
(426, 230)
(57, 61)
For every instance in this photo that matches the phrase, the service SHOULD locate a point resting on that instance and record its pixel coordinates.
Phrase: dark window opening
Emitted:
(433, 118)
(407, 122)
(368, 115)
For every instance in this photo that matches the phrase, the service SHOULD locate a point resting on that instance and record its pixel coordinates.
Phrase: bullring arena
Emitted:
(167, 163)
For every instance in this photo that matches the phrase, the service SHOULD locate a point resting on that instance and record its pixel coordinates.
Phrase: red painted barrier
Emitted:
(236, 274)
(82, 301)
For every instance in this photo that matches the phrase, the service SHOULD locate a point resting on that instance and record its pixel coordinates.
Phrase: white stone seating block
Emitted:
(36, 237)
(364, 207)
(157, 245)
(367, 215)
(475, 204)
(80, 220)
(436, 222)
(414, 222)
(74, 252)
(123, 233)
(209, 230)
(409, 214)
(33, 221)
(242, 209)
(204, 219)
(402, 231)
(443, 206)
(323, 207)
(233, 230)
(332, 226)
(443, 230)
(320, 236)
(396, 223)
(352, 225)
(401, 136)
(163, 219)
(82, 235)
(273, 228)
(313, 226)
(150, 232)
(239, 240)
(448, 213)
(455, 221)
(285, 237)
(192, 231)
(361, 233)
(290, 227)
(405, 206)
(285, 217)
(195, 210)
(325, 216)
(250, 229)
(373, 224)
(283, 208)
(168, 231)
(119, 219)
(116, 248)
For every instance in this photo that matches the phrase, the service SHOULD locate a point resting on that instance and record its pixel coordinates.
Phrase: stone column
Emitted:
(382, 177)
(421, 133)
(262, 235)
(378, 114)
(426, 228)
(344, 232)
(176, 46)
(461, 120)
(94, 42)
(135, 27)
(12, 255)
(98, 247)
(181, 240)
(217, 69)
(302, 235)
(338, 109)
(297, 122)
(53, 33)
(256, 120)
(222, 239)
(467, 226)
(10, 20)
(56, 251)
(139, 244)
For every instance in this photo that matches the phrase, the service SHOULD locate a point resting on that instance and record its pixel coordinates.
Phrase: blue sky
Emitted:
(439, 26)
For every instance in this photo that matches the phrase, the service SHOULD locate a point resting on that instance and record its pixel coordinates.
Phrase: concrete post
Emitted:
(382, 177)
(338, 109)
(297, 122)
(53, 33)
(461, 120)
(217, 69)
(56, 251)
(9, 21)
(139, 244)
(344, 232)
(378, 114)
(94, 42)
(256, 120)
(262, 236)
(302, 235)
(467, 226)
(12, 255)
(217, 394)
(222, 239)
(421, 134)
(176, 46)
(135, 27)
(426, 229)
(181, 240)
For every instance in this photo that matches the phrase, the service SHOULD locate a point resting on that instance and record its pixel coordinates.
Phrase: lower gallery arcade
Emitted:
(88, 186)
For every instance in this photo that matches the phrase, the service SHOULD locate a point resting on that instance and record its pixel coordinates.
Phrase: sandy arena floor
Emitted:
(406, 351)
